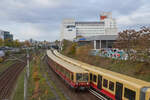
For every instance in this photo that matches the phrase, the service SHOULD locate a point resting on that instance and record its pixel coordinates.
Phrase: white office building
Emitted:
(72, 29)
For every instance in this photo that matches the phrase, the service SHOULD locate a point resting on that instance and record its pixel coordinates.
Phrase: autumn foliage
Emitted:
(12, 43)
(135, 43)
(69, 47)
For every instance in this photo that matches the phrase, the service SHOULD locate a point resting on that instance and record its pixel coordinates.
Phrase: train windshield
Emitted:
(82, 77)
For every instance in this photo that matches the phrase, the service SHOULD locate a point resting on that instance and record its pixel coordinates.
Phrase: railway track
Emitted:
(8, 79)
(97, 95)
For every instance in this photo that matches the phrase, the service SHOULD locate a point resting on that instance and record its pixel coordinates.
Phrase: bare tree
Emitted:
(125, 41)
(143, 51)
(135, 43)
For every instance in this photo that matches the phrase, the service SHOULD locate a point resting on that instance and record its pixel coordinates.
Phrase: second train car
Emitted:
(73, 75)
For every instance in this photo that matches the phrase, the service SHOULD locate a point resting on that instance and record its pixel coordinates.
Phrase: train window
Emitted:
(90, 76)
(105, 83)
(72, 77)
(130, 94)
(85, 77)
(94, 78)
(111, 85)
(79, 77)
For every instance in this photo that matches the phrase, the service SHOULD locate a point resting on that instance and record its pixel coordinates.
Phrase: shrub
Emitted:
(1, 60)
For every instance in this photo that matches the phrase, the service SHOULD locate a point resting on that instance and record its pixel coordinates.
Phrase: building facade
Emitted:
(101, 33)
(98, 42)
(5, 35)
(70, 29)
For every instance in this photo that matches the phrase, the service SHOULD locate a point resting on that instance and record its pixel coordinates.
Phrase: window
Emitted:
(79, 77)
(130, 94)
(111, 85)
(85, 77)
(90, 76)
(69, 29)
(72, 77)
(105, 83)
(70, 26)
(94, 78)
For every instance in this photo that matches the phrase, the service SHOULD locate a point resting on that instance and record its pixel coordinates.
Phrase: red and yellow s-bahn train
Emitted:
(75, 76)
(111, 84)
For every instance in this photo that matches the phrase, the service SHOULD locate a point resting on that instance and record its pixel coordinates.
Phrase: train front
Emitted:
(82, 81)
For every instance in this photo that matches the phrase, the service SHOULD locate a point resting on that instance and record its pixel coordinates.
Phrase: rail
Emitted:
(97, 95)
(8, 79)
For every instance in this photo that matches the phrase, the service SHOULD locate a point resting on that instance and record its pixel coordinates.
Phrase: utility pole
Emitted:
(26, 76)
(28, 70)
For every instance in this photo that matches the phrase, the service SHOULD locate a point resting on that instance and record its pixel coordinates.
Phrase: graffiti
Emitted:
(110, 53)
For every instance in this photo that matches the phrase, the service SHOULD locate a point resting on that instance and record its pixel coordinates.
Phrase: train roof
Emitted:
(114, 75)
(66, 65)
(121, 77)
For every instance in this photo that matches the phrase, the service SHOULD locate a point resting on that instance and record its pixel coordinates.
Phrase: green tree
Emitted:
(16, 43)
(8, 43)
(1, 42)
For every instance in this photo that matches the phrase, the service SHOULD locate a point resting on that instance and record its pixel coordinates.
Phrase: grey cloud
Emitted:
(47, 18)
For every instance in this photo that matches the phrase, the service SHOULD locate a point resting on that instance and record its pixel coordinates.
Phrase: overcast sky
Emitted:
(41, 19)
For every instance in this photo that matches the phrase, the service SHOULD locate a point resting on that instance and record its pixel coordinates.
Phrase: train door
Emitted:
(91, 77)
(99, 83)
(119, 89)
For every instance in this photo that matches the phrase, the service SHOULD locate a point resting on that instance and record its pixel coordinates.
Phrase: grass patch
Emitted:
(58, 91)
(37, 88)
(61, 95)
(44, 92)
(19, 94)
